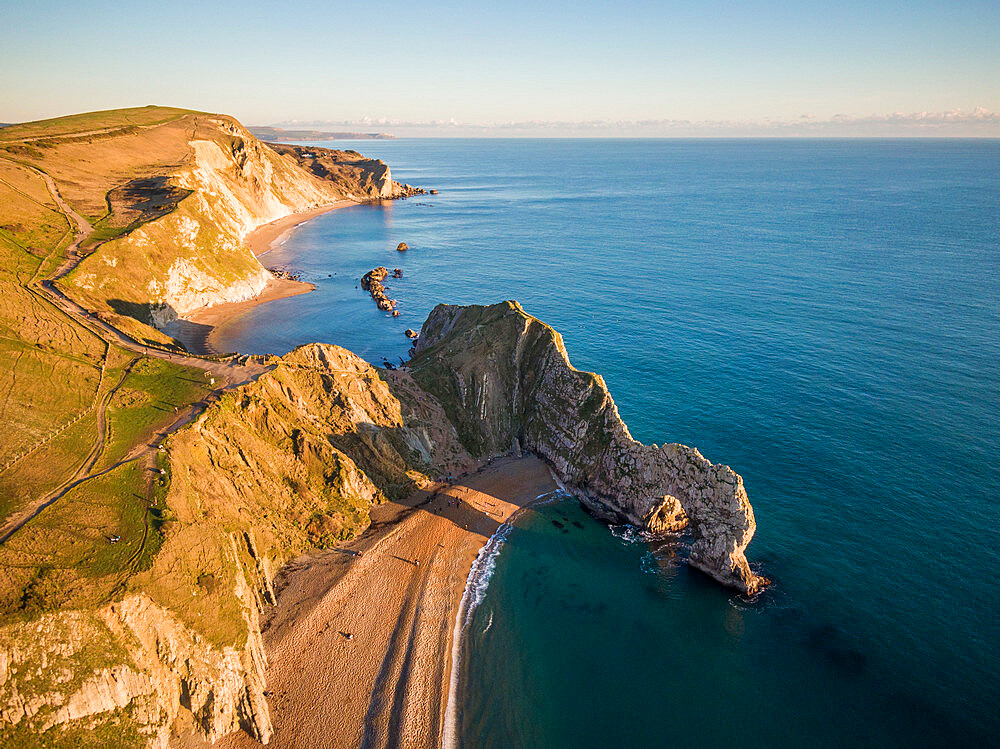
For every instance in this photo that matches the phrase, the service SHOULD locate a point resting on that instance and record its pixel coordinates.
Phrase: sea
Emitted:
(821, 315)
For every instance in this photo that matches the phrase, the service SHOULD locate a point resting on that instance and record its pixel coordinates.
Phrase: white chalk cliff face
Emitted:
(504, 378)
(134, 658)
(193, 256)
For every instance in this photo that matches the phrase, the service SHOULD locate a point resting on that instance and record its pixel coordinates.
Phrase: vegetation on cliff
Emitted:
(135, 214)
(147, 497)
(505, 379)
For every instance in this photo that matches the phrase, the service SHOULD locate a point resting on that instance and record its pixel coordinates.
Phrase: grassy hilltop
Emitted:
(111, 222)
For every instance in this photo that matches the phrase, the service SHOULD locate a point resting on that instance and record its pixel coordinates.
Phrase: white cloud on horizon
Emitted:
(979, 122)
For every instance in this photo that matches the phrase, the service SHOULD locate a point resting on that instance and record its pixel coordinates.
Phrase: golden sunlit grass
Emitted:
(74, 124)
(152, 396)
(68, 555)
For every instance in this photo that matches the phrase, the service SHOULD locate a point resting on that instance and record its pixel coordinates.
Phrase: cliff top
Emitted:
(92, 122)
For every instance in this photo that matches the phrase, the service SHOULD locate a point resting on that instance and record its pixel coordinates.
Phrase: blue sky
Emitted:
(411, 64)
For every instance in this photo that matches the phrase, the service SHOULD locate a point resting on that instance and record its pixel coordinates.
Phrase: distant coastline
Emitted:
(279, 134)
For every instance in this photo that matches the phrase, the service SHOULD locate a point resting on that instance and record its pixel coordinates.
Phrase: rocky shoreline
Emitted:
(505, 380)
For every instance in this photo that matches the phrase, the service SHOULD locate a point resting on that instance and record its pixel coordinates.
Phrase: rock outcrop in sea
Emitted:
(372, 283)
(294, 461)
(505, 379)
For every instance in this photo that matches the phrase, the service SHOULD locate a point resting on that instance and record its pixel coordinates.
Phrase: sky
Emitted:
(518, 67)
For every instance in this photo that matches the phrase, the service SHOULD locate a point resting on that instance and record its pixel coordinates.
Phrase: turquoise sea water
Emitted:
(823, 316)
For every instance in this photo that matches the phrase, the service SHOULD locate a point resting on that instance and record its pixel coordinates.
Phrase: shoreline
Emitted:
(196, 330)
(480, 573)
(266, 237)
(397, 591)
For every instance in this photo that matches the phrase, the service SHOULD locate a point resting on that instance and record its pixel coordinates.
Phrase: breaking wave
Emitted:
(475, 591)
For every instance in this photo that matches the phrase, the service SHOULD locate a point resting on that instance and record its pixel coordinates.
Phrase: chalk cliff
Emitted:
(504, 379)
(190, 254)
(296, 460)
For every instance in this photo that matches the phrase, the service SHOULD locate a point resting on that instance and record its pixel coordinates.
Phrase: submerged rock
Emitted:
(504, 378)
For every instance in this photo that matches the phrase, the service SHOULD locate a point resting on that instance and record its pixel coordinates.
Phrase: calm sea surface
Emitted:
(823, 316)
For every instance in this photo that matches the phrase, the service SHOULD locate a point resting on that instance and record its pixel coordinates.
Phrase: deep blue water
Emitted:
(823, 316)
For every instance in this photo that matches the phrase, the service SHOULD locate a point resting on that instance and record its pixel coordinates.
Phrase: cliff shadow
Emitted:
(153, 315)
(193, 336)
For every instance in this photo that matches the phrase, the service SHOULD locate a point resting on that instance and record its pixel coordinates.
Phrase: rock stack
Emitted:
(402, 247)
(372, 283)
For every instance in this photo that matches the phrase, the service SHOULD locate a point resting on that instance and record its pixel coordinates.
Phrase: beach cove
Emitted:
(847, 610)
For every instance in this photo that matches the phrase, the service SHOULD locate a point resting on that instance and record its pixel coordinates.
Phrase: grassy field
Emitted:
(89, 166)
(50, 366)
(66, 557)
(151, 397)
(88, 122)
(56, 373)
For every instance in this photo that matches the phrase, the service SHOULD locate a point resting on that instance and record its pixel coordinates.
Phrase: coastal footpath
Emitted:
(298, 460)
(178, 571)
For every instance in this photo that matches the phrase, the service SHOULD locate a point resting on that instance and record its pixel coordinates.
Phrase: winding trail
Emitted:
(229, 373)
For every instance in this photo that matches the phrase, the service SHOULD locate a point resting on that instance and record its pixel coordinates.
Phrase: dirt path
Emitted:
(229, 373)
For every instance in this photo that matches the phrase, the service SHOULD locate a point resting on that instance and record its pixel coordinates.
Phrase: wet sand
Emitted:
(195, 330)
(265, 237)
(386, 685)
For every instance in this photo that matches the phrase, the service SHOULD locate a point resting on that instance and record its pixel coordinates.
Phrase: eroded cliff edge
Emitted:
(295, 461)
(291, 462)
(172, 242)
(505, 379)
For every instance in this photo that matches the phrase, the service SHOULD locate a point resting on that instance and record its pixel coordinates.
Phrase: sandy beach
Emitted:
(195, 329)
(265, 237)
(359, 645)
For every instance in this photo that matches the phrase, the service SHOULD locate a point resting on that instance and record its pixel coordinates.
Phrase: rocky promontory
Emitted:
(505, 379)
(295, 461)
